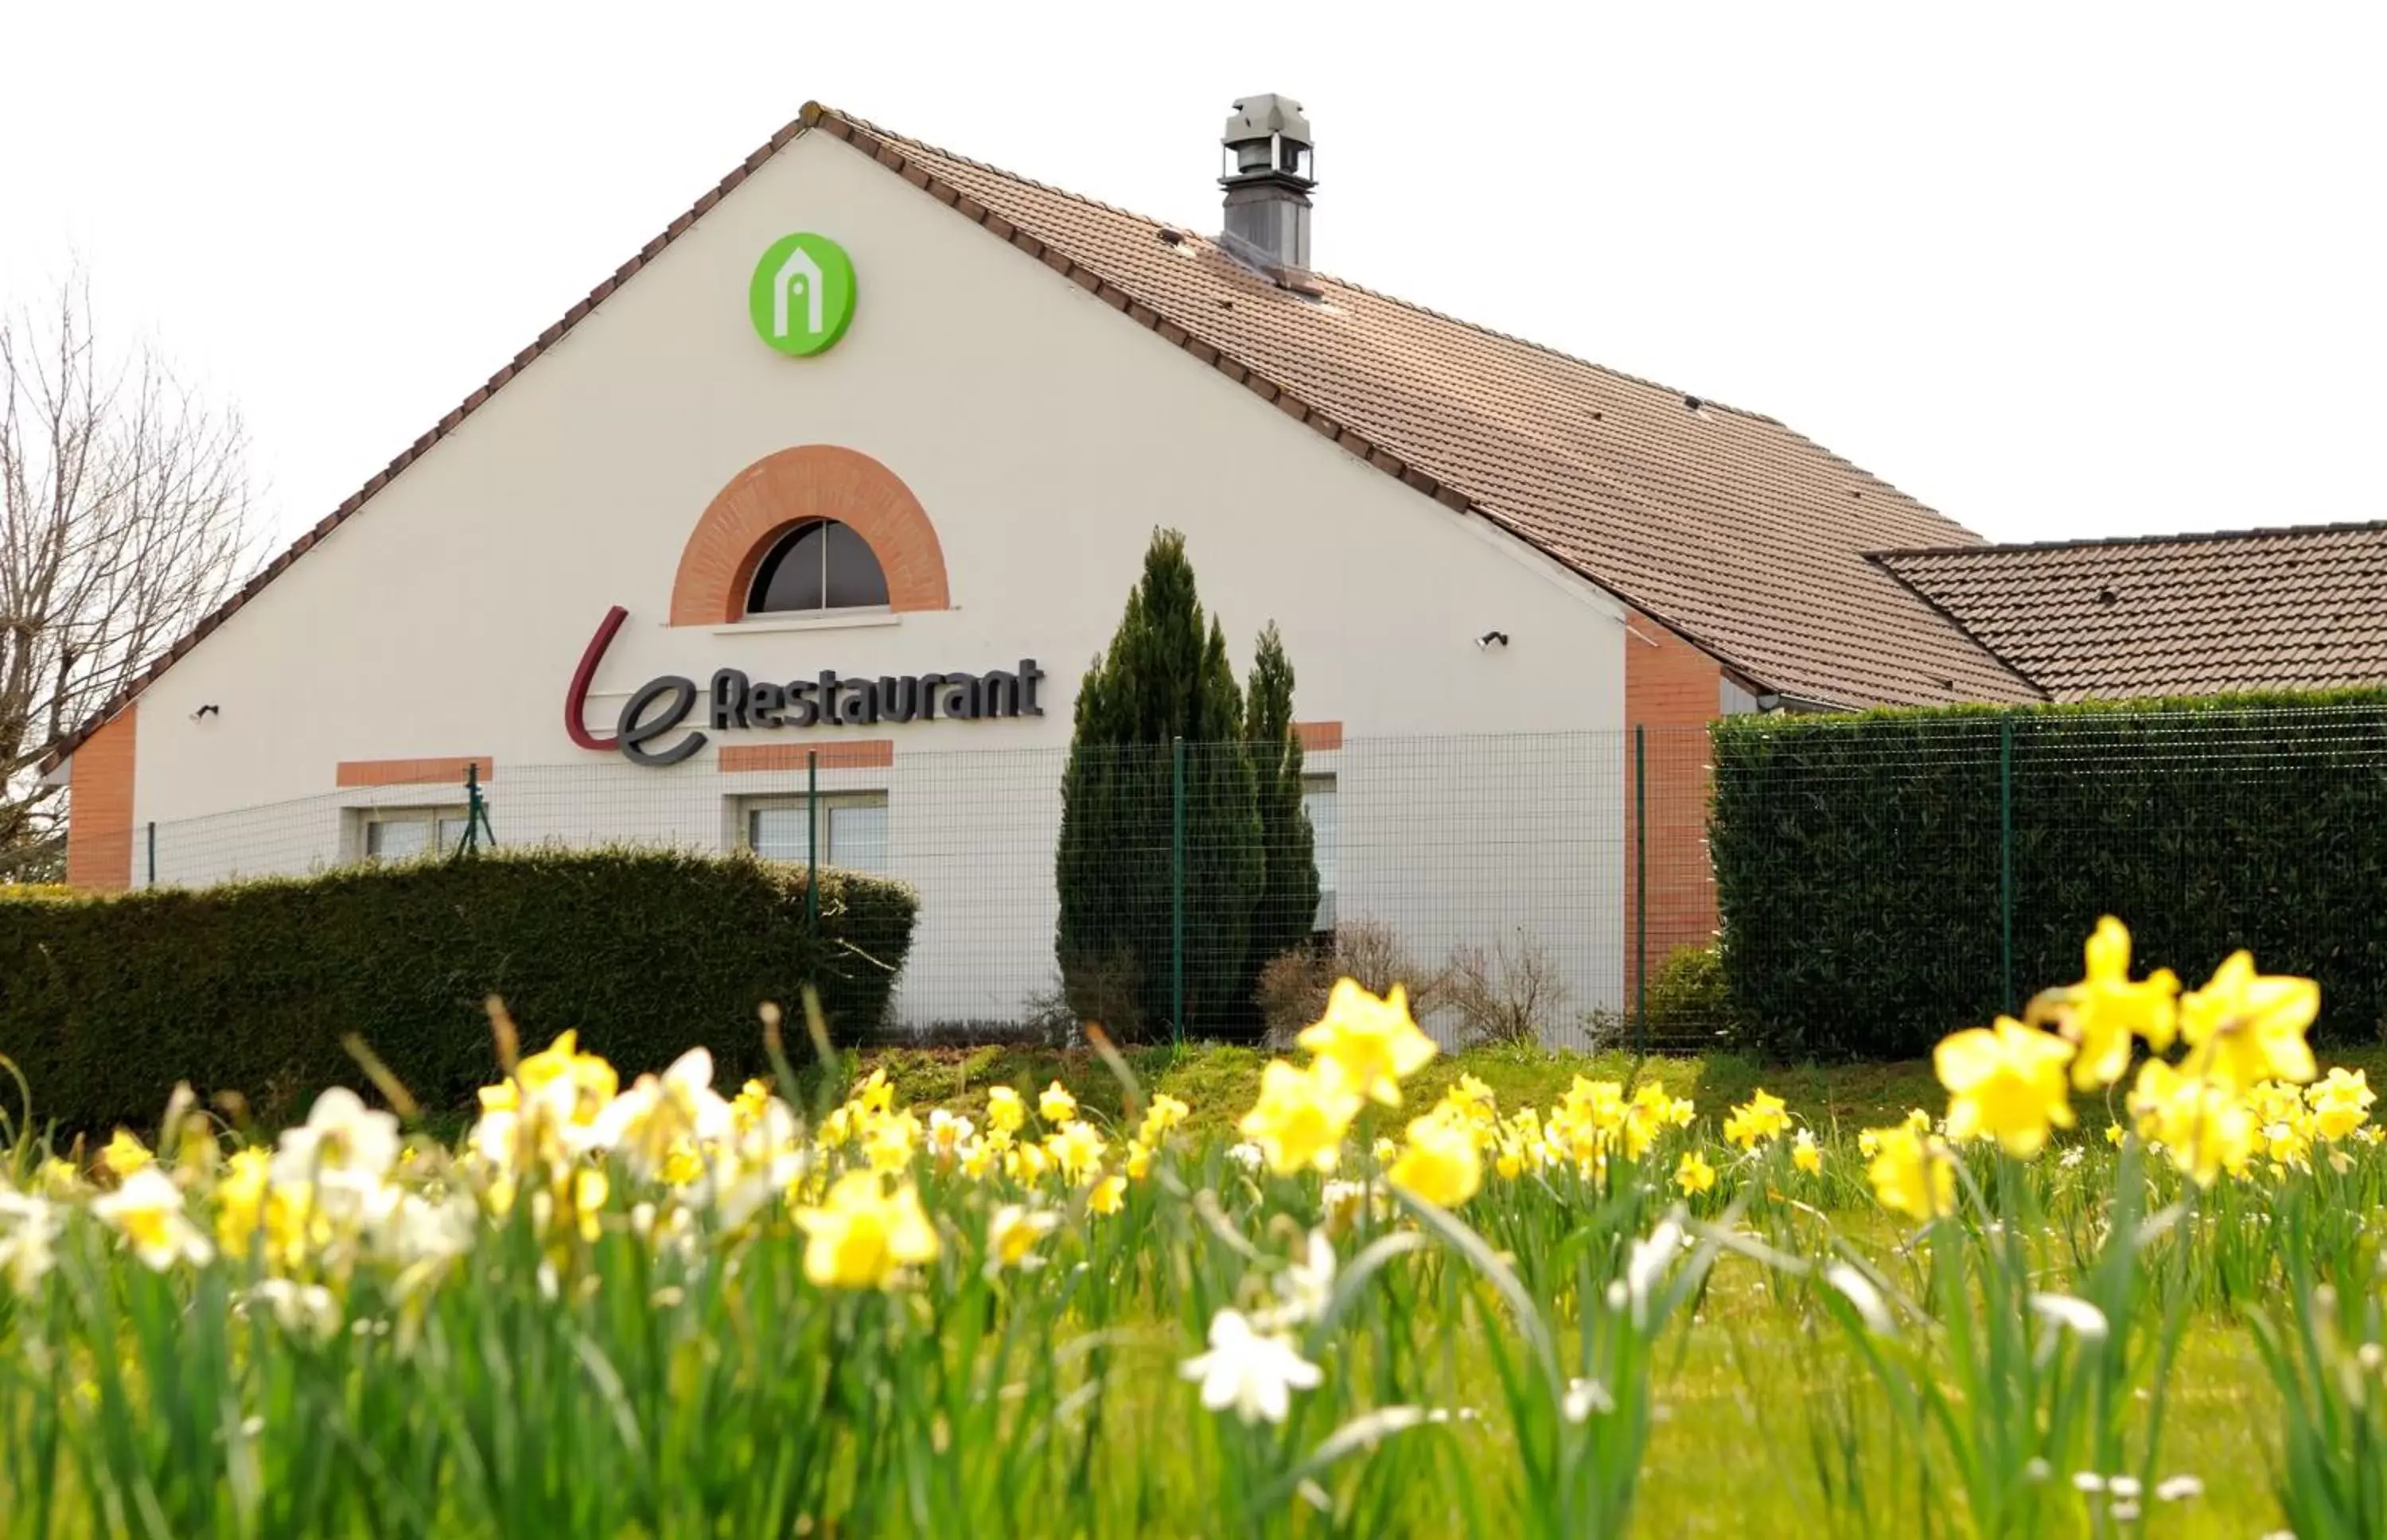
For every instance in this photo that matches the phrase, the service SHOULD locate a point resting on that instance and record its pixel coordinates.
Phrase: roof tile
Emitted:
(2278, 609)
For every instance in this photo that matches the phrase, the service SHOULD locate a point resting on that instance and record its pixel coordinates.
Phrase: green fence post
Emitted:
(1640, 891)
(476, 813)
(2005, 856)
(811, 842)
(1176, 893)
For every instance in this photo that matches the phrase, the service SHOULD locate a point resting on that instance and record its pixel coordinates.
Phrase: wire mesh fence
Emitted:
(1156, 888)
(1882, 879)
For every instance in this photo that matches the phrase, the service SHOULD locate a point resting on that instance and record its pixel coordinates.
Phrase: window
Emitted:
(403, 833)
(1318, 802)
(818, 566)
(852, 825)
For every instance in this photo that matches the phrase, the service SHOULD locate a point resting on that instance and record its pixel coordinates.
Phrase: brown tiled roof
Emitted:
(1745, 536)
(2190, 615)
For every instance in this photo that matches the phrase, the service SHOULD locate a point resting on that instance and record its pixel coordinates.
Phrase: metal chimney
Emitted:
(1267, 182)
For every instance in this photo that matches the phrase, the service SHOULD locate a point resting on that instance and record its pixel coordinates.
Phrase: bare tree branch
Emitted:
(124, 519)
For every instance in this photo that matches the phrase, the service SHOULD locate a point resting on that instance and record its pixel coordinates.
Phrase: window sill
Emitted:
(829, 620)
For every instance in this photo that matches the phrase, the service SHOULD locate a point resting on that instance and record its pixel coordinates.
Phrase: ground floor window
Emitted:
(403, 833)
(1318, 801)
(850, 827)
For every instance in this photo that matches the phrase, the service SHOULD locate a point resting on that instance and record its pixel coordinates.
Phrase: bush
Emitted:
(105, 1003)
(1294, 985)
(1860, 863)
(1510, 993)
(1689, 996)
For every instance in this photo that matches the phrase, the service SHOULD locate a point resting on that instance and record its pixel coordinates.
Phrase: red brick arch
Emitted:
(781, 490)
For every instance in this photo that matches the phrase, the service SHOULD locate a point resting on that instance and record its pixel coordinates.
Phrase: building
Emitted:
(874, 408)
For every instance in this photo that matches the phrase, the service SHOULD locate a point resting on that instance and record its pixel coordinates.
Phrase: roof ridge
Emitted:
(2349, 526)
(1626, 375)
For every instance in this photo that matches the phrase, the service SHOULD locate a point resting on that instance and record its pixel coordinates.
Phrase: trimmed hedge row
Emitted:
(105, 1003)
(1859, 860)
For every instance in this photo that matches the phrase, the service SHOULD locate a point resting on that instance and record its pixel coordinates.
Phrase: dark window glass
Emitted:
(853, 576)
(791, 576)
(820, 566)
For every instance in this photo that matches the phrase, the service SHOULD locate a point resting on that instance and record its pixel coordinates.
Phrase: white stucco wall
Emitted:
(1046, 436)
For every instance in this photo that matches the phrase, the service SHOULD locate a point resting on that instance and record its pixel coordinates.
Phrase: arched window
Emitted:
(820, 564)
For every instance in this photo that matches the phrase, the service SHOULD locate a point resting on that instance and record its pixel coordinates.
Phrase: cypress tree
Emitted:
(1164, 677)
(1288, 905)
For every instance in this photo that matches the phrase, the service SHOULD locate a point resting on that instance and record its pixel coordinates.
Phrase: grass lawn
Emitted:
(1219, 1082)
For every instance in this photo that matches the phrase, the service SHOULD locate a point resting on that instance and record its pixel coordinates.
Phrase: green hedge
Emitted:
(105, 1003)
(1860, 859)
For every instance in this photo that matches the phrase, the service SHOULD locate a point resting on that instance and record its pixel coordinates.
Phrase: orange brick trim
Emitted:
(99, 807)
(780, 491)
(851, 753)
(1318, 738)
(413, 772)
(1673, 690)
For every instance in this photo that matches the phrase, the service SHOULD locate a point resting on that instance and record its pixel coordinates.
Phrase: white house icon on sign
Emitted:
(799, 268)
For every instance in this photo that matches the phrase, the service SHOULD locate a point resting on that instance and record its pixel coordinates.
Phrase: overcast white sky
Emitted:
(2058, 270)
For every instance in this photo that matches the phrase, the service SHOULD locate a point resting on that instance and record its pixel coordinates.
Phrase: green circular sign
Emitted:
(802, 296)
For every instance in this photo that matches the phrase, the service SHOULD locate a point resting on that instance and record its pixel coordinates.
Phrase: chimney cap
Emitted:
(1264, 116)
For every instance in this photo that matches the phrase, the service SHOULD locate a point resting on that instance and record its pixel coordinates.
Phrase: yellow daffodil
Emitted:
(1163, 1116)
(1440, 1163)
(2203, 1126)
(2100, 1015)
(124, 1154)
(574, 1085)
(1006, 1112)
(2242, 1027)
(1107, 1196)
(1077, 1149)
(862, 1236)
(1056, 1107)
(58, 1179)
(1373, 1043)
(1300, 1117)
(2005, 1082)
(1693, 1174)
(1472, 1100)
(2341, 1103)
(1806, 1155)
(1913, 1173)
(1026, 1163)
(1012, 1236)
(1764, 1116)
(874, 1095)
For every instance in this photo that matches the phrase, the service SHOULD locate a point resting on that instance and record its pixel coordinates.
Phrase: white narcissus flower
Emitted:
(147, 1211)
(343, 1143)
(1860, 1293)
(662, 1115)
(302, 1309)
(2076, 1316)
(2178, 1489)
(1246, 1154)
(1648, 1264)
(29, 1224)
(1252, 1373)
(1304, 1287)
